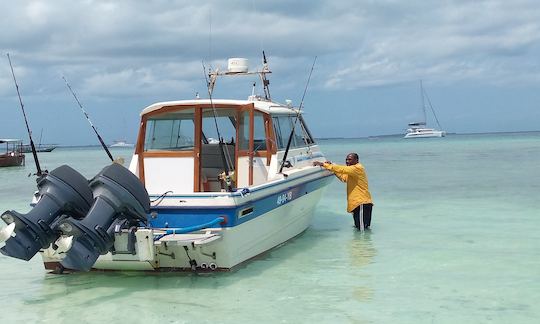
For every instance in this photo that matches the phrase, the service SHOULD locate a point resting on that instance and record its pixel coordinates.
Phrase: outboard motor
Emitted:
(120, 201)
(63, 191)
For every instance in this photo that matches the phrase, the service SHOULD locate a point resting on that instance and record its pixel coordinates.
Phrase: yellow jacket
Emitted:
(357, 183)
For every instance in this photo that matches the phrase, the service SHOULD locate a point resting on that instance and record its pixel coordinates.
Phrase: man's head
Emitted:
(351, 159)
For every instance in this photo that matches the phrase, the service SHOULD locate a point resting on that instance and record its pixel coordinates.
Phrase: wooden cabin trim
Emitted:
(167, 109)
(139, 148)
(251, 143)
(239, 113)
(197, 151)
(270, 138)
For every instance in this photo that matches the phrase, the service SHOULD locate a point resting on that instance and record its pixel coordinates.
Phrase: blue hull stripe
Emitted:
(179, 217)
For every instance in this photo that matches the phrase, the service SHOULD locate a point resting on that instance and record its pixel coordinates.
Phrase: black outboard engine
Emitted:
(63, 191)
(120, 201)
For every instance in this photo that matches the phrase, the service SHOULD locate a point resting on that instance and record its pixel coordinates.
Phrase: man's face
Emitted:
(350, 160)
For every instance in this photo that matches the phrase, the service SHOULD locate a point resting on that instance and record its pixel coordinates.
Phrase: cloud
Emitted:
(486, 41)
(134, 48)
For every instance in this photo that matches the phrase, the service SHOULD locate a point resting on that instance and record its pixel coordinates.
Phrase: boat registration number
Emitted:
(284, 198)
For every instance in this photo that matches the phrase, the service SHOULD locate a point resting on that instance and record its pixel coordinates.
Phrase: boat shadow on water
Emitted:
(87, 289)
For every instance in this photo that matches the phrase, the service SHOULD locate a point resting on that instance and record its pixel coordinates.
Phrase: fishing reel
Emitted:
(226, 180)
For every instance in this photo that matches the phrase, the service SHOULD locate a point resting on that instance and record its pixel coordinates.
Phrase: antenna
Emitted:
(210, 37)
(39, 173)
(89, 121)
(253, 90)
(265, 81)
(296, 119)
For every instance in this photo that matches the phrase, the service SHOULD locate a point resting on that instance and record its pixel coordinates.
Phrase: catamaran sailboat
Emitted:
(212, 183)
(419, 129)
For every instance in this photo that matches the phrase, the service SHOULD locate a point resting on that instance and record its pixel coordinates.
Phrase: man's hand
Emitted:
(318, 163)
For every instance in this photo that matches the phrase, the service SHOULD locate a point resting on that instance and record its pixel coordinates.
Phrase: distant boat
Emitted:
(121, 143)
(12, 155)
(27, 148)
(418, 129)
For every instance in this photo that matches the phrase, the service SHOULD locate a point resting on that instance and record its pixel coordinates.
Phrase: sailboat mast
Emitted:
(433, 111)
(423, 102)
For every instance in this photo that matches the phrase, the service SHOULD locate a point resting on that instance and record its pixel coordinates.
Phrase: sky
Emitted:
(479, 62)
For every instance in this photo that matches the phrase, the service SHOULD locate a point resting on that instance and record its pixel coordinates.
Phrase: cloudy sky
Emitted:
(479, 62)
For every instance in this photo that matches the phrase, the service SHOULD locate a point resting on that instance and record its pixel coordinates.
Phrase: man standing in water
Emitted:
(358, 197)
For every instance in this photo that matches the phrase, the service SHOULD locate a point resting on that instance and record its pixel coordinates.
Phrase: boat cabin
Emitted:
(213, 146)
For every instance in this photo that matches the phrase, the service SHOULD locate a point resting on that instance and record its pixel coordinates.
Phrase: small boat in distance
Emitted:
(11, 155)
(27, 148)
(418, 129)
(121, 143)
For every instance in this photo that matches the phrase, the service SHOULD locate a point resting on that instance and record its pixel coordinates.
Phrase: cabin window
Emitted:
(308, 139)
(283, 126)
(171, 132)
(243, 131)
(259, 132)
(226, 123)
(212, 153)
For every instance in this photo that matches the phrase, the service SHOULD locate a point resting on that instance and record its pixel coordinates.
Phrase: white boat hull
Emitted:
(425, 134)
(211, 248)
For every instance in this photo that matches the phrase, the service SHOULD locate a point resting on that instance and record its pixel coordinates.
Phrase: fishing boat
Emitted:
(27, 148)
(43, 148)
(419, 129)
(11, 155)
(212, 183)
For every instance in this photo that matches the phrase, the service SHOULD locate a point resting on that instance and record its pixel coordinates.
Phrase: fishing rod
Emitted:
(39, 173)
(221, 144)
(89, 121)
(283, 162)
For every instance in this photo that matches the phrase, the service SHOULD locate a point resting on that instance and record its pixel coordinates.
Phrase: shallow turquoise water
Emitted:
(455, 239)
